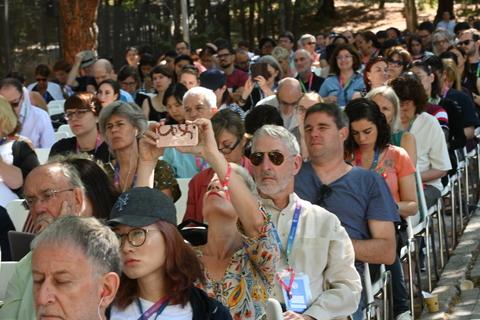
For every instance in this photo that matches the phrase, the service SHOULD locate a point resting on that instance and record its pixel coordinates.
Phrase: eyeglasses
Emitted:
(41, 79)
(224, 55)
(464, 42)
(46, 196)
(440, 42)
(275, 157)
(228, 150)
(311, 43)
(79, 114)
(15, 104)
(395, 63)
(135, 237)
(324, 192)
(341, 58)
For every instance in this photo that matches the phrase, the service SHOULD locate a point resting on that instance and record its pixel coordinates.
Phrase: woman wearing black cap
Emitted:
(241, 254)
(159, 268)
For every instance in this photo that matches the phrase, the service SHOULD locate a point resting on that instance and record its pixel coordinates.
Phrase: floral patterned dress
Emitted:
(248, 279)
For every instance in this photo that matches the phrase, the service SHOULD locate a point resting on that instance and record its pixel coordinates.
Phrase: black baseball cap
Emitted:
(141, 207)
(213, 79)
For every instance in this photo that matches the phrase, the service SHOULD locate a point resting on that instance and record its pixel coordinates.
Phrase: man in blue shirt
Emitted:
(359, 198)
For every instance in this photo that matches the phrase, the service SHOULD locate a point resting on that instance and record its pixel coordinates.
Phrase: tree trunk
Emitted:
(443, 5)
(381, 5)
(251, 16)
(241, 17)
(78, 26)
(200, 16)
(411, 15)
(326, 8)
(296, 17)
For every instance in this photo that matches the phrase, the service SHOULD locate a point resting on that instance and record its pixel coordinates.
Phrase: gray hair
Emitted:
(389, 94)
(97, 241)
(247, 178)
(441, 34)
(208, 96)
(280, 53)
(280, 133)
(304, 38)
(68, 170)
(129, 111)
(273, 63)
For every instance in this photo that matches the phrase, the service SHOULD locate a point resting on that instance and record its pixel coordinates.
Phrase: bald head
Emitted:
(289, 94)
(52, 190)
(102, 70)
(289, 86)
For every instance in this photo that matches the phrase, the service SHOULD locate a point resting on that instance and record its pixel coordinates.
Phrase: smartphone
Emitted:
(177, 135)
(259, 69)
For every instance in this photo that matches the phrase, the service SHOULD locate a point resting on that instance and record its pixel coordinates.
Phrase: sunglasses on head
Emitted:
(275, 157)
(323, 193)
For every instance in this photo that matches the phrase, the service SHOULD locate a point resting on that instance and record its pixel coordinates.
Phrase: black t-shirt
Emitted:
(83, 82)
(69, 145)
(311, 86)
(471, 75)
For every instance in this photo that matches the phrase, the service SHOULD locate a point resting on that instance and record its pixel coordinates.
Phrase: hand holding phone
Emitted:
(177, 135)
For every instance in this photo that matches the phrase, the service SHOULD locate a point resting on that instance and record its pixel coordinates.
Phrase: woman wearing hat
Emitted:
(241, 254)
(159, 268)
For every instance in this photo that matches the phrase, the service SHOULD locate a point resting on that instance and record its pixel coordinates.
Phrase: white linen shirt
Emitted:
(323, 251)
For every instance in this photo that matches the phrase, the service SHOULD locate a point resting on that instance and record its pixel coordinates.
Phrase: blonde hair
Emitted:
(8, 118)
(451, 72)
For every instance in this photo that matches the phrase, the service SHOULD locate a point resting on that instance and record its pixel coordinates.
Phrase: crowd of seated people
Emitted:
(303, 172)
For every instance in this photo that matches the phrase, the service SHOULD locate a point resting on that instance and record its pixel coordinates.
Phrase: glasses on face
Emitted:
(289, 104)
(311, 43)
(79, 114)
(275, 157)
(224, 55)
(135, 237)
(464, 42)
(45, 196)
(228, 150)
(342, 58)
(16, 103)
(395, 63)
(323, 193)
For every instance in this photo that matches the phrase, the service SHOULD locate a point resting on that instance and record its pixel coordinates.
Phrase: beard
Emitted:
(272, 187)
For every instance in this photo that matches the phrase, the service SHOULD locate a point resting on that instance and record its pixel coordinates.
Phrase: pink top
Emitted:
(394, 163)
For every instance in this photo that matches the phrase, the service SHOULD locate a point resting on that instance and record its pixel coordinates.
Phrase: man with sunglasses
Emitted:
(315, 247)
(35, 122)
(50, 191)
(49, 90)
(469, 42)
(358, 197)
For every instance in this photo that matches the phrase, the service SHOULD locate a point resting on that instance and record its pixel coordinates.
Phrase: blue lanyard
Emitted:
(292, 233)
(158, 307)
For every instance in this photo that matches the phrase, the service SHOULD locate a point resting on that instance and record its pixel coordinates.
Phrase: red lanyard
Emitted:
(284, 285)
(98, 142)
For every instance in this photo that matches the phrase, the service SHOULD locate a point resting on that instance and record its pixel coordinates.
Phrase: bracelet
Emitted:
(225, 182)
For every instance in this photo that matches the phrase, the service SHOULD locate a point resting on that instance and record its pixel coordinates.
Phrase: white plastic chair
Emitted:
(55, 107)
(60, 135)
(17, 213)
(42, 154)
(66, 128)
(181, 204)
(274, 310)
(7, 269)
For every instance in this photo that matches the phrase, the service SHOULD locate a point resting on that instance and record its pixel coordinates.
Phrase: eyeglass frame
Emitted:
(465, 42)
(79, 113)
(121, 237)
(231, 147)
(294, 105)
(46, 195)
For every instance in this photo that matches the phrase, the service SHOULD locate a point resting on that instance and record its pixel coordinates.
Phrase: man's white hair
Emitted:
(208, 95)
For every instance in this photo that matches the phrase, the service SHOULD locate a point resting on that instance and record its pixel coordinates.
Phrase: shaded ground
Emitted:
(357, 16)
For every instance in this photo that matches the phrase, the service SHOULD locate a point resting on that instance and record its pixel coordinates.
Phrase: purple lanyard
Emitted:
(158, 308)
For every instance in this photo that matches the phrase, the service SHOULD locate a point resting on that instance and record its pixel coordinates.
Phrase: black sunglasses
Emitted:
(464, 42)
(323, 193)
(275, 157)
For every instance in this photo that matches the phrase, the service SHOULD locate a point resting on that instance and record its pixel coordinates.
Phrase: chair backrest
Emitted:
(181, 204)
(7, 269)
(55, 107)
(274, 310)
(42, 154)
(19, 244)
(66, 128)
(415, 223)
(17, 213)
(59, 135)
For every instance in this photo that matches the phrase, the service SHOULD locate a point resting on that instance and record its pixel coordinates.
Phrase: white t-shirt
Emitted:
(6, 194)
(171, 312)
(432, 151)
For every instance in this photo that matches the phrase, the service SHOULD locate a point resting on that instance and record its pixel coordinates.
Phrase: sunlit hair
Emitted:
(368, 68)
(8, 119)
(402, 52)
(366, 109)
(279, 133)
(450, 70)
(182, 269)
(94, 239)
(83, 100)
(389, 94)
(208, 96)
(129, 111)
(409, 88)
